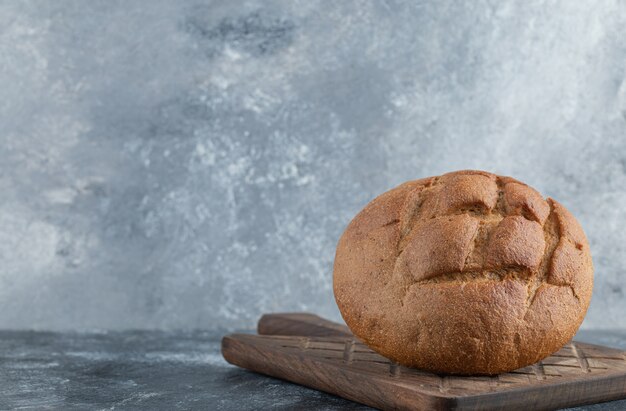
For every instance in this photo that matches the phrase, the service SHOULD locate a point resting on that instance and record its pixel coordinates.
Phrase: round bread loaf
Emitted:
(466, 273)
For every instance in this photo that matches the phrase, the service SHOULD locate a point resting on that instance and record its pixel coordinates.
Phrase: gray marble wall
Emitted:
(192, 164)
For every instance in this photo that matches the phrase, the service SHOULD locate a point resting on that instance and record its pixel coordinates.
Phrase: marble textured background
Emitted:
(192, 164)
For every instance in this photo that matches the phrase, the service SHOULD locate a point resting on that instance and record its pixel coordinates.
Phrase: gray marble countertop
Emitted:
(159, 370)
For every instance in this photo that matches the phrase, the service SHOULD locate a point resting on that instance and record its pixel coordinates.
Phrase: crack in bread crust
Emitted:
(500, 208)
(550, 229)
(506, 273)
(534, 279)
(488, 220)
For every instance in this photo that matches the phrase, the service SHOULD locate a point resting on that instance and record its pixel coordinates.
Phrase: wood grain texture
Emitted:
(321, 354)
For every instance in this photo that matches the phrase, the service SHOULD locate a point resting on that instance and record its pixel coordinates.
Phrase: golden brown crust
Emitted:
(523, 200)
(448, 238)
(466, 273)
(516, 241)
(462, 191)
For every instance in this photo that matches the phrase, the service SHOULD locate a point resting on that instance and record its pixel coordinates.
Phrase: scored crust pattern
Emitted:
(468, 264)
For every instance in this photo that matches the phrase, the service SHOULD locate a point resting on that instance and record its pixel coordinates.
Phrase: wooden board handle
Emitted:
(300, 324)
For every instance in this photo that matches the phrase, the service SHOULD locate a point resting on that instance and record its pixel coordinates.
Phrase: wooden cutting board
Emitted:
(308, 350)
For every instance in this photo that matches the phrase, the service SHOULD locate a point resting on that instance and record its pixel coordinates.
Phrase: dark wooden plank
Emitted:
(371, 381)
(300, 324)
(347, 382)
(324, 355)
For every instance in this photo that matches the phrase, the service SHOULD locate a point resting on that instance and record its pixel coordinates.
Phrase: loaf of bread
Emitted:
(465, 273)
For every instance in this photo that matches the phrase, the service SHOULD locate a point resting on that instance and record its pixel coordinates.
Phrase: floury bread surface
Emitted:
(465, 273)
